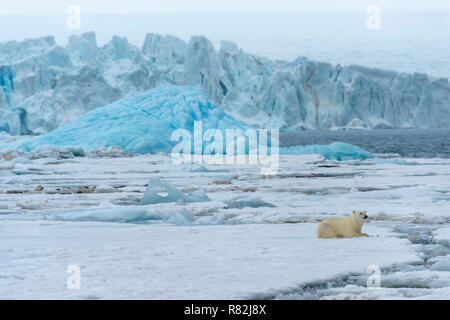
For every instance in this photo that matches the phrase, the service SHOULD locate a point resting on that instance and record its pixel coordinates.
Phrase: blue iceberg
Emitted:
(140, 124)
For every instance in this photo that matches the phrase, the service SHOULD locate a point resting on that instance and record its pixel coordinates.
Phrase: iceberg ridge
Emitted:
(44, 86)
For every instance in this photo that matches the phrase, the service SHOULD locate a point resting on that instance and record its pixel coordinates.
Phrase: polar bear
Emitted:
(348, 227)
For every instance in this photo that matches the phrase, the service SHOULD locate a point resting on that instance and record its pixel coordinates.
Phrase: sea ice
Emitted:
(160, 191)
(45, 220)
(442, 264)
(442, 235)
(241, 202)
(126, 214)
(179, 262)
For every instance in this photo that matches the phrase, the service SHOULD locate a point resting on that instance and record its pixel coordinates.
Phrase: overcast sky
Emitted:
(212, 6)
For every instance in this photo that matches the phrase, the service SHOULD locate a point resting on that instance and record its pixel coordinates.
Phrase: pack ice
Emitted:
(160, 191)
(44, 85)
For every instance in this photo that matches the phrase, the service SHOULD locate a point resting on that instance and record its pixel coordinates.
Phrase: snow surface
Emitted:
(254, 239)
(163, 262)
(442, 236)
(160, 191)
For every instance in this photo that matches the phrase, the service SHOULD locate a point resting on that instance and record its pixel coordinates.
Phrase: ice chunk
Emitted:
(119, 48)
(159, 191)
(245, 201)
(198, 196)
(83, 49)
(105, 214)
(164, 51)
(203, 67)
(442, 265)
(442, 236)
(337, 151)
(14, 50)
(126, 214)
(201, 168)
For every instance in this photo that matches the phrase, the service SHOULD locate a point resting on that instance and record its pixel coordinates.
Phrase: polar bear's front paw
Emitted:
(364, 235)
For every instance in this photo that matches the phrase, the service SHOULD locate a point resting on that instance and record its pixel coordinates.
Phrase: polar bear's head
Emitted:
(360, 215)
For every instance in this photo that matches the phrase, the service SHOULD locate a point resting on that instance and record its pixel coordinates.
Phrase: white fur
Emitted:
(348, 227)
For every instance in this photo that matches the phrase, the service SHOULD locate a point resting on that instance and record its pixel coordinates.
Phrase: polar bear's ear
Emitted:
(353, 212)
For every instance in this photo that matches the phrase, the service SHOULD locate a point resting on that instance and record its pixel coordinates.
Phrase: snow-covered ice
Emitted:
(443, 236)
(255, 238)
(306, 188)
(165, 262)
(128, 214)
(160, 191)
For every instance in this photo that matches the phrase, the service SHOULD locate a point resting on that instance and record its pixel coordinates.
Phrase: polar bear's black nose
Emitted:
(365, 217)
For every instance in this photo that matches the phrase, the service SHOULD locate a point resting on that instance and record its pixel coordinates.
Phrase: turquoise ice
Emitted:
(335, 151)
(140, 124)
